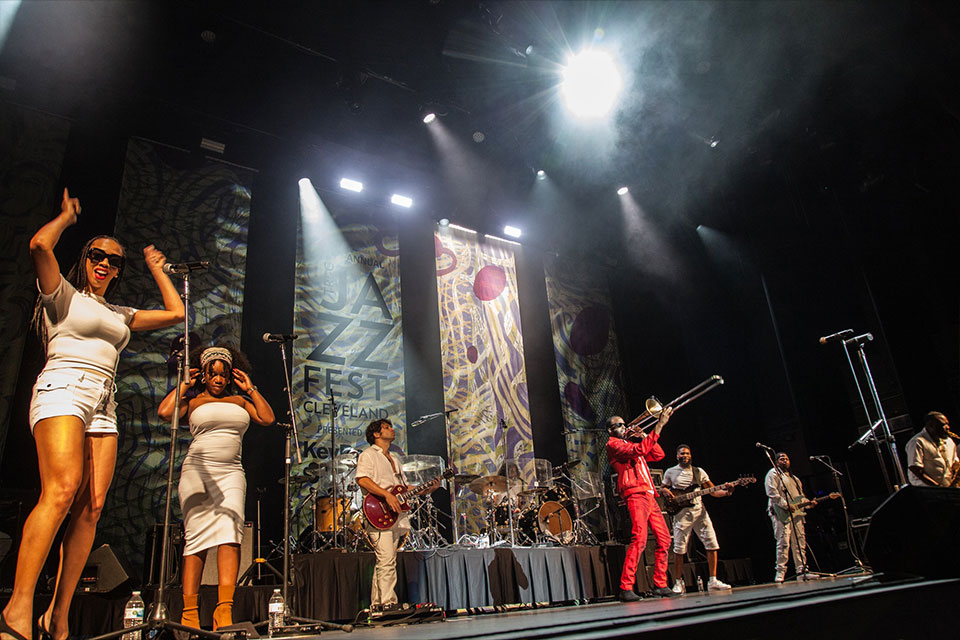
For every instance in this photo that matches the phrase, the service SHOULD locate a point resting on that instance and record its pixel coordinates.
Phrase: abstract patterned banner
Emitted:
(348, 311)
(588, 361)
(189, 212)
(481, 343)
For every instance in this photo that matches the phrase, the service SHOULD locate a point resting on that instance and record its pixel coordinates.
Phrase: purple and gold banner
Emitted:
(347, 310)
(588, 361)
(481, 344)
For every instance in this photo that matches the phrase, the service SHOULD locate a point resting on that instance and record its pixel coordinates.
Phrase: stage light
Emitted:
(401, 201)
(351, 185)
(479, 136)
(622, 191)
(511, 231)
(541, 175)
(430, 117)
(443, 222)
(304, 182)
(591, 84)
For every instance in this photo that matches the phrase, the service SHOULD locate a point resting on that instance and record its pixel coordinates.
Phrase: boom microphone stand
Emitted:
(859, 566)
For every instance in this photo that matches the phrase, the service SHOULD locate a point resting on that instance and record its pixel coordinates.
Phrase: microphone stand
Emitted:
(452, 484)
(158, 621)
(292, 446)
(881, 420)
(802, 569)
(334, 409)
(859, 566)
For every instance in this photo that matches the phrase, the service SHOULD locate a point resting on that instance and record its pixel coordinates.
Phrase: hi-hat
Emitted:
(496, 484)
(464, 478)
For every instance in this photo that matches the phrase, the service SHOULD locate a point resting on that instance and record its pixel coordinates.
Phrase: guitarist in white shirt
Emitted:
(785, 493)
(378, 471)
(693, 518)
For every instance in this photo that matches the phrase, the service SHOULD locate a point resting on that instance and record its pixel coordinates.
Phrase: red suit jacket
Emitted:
(629, 460)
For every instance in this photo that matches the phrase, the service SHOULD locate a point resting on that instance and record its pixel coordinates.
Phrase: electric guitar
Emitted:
(799, 506)
(682, 497)
(379, 515)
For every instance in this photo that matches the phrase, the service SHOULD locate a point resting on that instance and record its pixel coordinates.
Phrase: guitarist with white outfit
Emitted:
(785, 507)
(693, 518)
(378, 471)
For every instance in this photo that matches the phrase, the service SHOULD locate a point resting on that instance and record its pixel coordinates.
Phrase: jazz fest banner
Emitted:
(347, 312)
(588, 362)
(190, 211)
(483, 366)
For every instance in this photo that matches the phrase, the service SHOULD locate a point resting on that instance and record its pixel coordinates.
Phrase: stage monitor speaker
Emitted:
(103, 572)
(913, 532)
(210, 573)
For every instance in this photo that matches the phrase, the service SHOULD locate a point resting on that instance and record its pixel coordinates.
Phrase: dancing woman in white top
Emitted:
(72, 411)
(212, 486)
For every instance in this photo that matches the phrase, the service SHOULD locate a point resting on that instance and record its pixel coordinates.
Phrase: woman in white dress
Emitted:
(212, 485)
(72, 410)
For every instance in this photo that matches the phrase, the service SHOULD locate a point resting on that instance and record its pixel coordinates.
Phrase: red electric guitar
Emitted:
(379, 515)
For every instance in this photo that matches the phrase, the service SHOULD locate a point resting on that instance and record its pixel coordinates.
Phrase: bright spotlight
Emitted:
(351, 185)
(541, 175)
(513, 232)
(591, 84)
(428, 118)
(444, 222)
(304, 182)
(622, 191)
(401, 201)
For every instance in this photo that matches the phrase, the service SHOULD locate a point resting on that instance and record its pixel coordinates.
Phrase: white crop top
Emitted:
(83, 329)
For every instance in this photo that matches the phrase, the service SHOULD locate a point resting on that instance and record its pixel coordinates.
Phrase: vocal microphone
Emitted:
(185, 267)
(866, 337)
(449, 411)
(839, 335)
(812, 458)
(760, 445)
(278, 337)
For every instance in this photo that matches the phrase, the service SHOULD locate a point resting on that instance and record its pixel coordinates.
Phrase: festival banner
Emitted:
(347, 310)
(190, 211)
(588, 360)
(484, 377)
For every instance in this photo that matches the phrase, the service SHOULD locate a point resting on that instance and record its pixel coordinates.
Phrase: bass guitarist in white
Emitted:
(693, 518)
(786, 507)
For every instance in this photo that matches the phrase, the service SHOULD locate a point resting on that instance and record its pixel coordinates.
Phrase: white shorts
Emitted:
(690, 519)
(75, 392)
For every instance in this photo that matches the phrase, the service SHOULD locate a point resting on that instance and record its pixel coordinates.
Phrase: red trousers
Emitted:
(643, 509)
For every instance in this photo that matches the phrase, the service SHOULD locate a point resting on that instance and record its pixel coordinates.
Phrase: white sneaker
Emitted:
(678, 586)
(779, 576)
(716, 585)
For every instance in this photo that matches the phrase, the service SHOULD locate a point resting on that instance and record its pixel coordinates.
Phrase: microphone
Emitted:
(839, 335)
(866, 337)
(812, 458)
(278, 337)
(760, 445)
(185, 267)
(449, 411)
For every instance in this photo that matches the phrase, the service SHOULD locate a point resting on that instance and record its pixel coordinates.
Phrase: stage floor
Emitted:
(856, 607)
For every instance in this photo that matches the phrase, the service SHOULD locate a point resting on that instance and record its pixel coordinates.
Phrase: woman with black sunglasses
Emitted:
(72, 411)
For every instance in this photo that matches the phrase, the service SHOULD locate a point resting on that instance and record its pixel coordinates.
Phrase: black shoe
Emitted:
(629, 595)
(665, 592)
(42, 631)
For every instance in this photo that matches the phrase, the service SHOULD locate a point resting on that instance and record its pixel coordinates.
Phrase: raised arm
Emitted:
(258, 408)
(172, 312)
(43, 241)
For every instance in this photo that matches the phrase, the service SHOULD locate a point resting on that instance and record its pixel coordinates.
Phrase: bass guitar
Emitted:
(683, 497)
(799, 506)
(379, 515)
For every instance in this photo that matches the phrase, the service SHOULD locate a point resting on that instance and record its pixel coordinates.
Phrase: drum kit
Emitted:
(534, 504)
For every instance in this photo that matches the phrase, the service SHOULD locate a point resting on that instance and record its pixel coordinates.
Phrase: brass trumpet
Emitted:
(653, 407)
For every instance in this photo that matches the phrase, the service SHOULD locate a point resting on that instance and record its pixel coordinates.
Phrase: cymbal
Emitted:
(567, 465)
(489, 483)
(533, 491)
(464, 478)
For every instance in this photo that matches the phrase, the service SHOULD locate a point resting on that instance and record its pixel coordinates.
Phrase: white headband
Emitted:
(215, 353)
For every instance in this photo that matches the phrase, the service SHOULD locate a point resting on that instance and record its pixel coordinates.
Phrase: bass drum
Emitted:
(548, 522)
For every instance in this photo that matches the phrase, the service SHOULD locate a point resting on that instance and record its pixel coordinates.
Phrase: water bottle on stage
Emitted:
(133, 615)
(275, 611)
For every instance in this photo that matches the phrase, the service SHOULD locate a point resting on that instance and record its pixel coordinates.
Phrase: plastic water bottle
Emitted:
(699, 583)
(275, 607)
(133, 615)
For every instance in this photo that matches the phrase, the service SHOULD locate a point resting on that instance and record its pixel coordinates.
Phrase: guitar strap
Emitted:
(697, 476)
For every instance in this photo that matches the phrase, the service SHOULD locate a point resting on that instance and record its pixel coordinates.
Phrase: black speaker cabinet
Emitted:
(210, 573)
(913, 532)
(103, 572)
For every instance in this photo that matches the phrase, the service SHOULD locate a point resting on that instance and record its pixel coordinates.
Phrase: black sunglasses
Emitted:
(96, 256)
